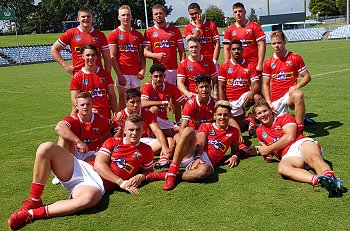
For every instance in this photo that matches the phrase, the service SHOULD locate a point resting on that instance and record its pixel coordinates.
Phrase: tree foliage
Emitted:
(215, 14)
(325, 7)
(252, 16)
(182, 21)
(341, 5)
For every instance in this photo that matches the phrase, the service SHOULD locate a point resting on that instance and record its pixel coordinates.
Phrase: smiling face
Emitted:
(264, 115)
(194, 13)
(222, 116)
(90, 57)
(85, 18)
(133, 132)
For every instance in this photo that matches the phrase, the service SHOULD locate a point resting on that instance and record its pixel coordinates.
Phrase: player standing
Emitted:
(79, 37)
(128, 61)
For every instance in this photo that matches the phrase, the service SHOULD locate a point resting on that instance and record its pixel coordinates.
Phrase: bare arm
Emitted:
(73, 97)
(148, 103)
(107, 60)
(234, 159)
(149, 54)
(112, 98)
(115, 65)
(266, 90)
(261, 54)
(216, 51)
(305, 79)
(142, 59)
(55, 52)
(182, 51)
(180, 83)
(65, 133)
(227, 54)
(160, 137)
(221, 90)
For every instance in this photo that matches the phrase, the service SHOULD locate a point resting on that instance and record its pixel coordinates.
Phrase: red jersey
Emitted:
(238, 78)
(249, 35)
(126, 159)
(164, 40)
(77, 39)
(189, 69)
(96, 84)
(208, 35)
(218, 140)
(284, 73)
(273, 134)
(168, 93)
(127, 46)
(197, 113)
(89, 133)
(147, 117)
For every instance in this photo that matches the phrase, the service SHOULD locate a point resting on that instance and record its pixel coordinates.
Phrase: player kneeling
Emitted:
(117, 164)
(199, 154)
(281, 137)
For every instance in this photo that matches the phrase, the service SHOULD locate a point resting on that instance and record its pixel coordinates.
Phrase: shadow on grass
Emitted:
(321, 128)
(100, 207)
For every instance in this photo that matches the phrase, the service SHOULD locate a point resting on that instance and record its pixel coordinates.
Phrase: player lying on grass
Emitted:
(280, 137)
(199, 154)
(117, 164)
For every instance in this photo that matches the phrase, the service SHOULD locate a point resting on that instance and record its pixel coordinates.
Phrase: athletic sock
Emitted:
(329, 173)
(314, 180)
(300, 126)
(174, 168)
(39, 213)
(36, 190)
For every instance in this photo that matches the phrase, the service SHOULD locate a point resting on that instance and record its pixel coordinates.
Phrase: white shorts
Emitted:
(188, 162)
(83, 156)
(295, 149)
(83, 174)
(281, 105)
(171, 76)
(238, 107)
(148, 140)
(132, 81)
(165, 124)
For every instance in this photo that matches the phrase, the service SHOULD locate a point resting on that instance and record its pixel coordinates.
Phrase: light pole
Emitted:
(144, 1)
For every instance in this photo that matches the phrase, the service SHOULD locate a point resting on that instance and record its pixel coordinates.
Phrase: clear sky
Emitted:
(260, 6)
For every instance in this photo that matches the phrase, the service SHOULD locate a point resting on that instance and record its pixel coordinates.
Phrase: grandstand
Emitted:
(340, 32)
(298, 35)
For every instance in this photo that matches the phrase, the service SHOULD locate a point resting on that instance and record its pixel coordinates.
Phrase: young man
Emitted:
(159, 96)
(128, 61)
(200, 154)
(79, 37)
(116, 164)
(239, 84)
(150, 125)
(280, 136)
(98, 82)
(251, 36)
(195, 64)
(84, 132)
(280, 83)
(205, 31)
(161, 43)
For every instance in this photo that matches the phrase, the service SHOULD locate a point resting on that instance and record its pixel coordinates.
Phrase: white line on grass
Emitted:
(326, 49)
(14, 92)
(331, 72)
(26, 130)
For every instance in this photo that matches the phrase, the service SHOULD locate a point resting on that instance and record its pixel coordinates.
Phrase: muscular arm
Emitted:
(115, 65)
(55, 52)
(184, 124)
(182, 52)
(216, 50)
(65, 133)
(261, 54)
(266, 89)
(305, 79)
(148, 103)
(149, 54)
(221, 90)
(227, 54)
(142, 63)
(180, 83)
(73, 97)
(160, 137)
(107, 60)
(112, 98)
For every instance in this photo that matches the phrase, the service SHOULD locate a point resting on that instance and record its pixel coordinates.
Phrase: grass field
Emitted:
(250, 197)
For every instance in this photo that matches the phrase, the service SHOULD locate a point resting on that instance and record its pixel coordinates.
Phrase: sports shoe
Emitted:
(55, 181)
(169, 182)
(340, 185)
(309, 121)
(331, 184)
(163, 162)
(19, 219)
(252, 133)
(155, 176)
(30, 204)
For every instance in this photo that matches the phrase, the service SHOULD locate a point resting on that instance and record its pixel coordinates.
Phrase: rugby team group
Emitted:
(104, 145)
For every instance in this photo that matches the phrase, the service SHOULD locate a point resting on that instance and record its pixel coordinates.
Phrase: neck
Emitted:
(85, 29)
(281, 54)
(132, 112)
(243, 22)
(161, 25)
(91, 68)
(125, 27)
(237, 61)
(203, 100)
(85, 118)
(196, 57)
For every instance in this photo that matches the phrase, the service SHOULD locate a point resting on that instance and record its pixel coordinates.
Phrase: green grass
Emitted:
(250, 197)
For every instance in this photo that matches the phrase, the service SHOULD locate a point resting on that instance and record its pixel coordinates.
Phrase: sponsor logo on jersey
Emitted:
(264, 135)
(128, 48)
(137, 155)
(289, 63)
(85, 82)
(97, 93)
(217, 145)
(212, 133)
(190, 68)
(239, 82)
(275, 139)
(122, 164)
(121, 37)
(155, 34)
(87, 140)
(234, 33)
(230, 70)
(165, 43)
(77, 38)
(202, 39)
(249, 31)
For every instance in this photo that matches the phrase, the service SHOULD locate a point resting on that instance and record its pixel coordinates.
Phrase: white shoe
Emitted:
(55, 180)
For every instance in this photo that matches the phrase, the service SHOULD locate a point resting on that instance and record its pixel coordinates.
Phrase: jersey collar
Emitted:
(235, 63)
(79, 28)
(192, 60)
(87, 72)
(214, 125)
(167, 25)
(239, 25)
(128, 114)
(194, 24)
(209, 100)
(155, 86)
(124, 142)
(92, 118)
(275, 56)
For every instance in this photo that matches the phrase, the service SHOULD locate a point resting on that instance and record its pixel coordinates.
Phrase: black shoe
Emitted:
(252, 133)
(308, 121)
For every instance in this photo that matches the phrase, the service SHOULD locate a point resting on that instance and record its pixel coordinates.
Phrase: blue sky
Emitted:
(260, 6)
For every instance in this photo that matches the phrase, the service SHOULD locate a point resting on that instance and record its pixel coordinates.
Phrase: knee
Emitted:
(88, 201)
(282, 169)
(257, 97)
(298, 96)
(188, 133)
(45, 148)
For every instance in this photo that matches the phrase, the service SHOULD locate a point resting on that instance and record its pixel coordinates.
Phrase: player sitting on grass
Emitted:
(160, 143)
(199, 154)
(117, 163)
(281, 137)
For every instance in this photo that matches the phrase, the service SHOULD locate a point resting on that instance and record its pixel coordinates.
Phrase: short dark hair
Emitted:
(259, 103)
(90, 47)
(158, 6)
(193, 39)
(134, 119)
(193, 5)
(85, 10)
(157, 67)
(133, 92)
(83, 95)
(202, 78)
(236, 41)
(238, 5)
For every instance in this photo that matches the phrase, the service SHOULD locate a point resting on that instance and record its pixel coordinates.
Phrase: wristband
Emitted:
(120, 181)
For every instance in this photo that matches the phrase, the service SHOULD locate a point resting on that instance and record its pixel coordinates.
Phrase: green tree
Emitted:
(182, 21)
(252, 16)
(341, 5)
(325, 7)
(215, 14)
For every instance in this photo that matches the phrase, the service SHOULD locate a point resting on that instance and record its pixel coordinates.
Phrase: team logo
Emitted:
(87, 140)
(249, 31)
(202, 39)
(273, 65)
(278, 128)
(246, 71)
(121, 37)
(77, 38)
(229, 135)
(230, 70)
(103, 79)
(212, 132)
(97, 92)
(155, 34)
(136, 38)
(155, 96)
(85, 82)
(171, 33)
(289, 63)
(137, 155)
(95, 130)
(281, 75)
(190, 68)
(217, 144)
(206, 29)
(264, 135)
(96, 39)
(244, 42)
(234, 33)
(206, 66)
